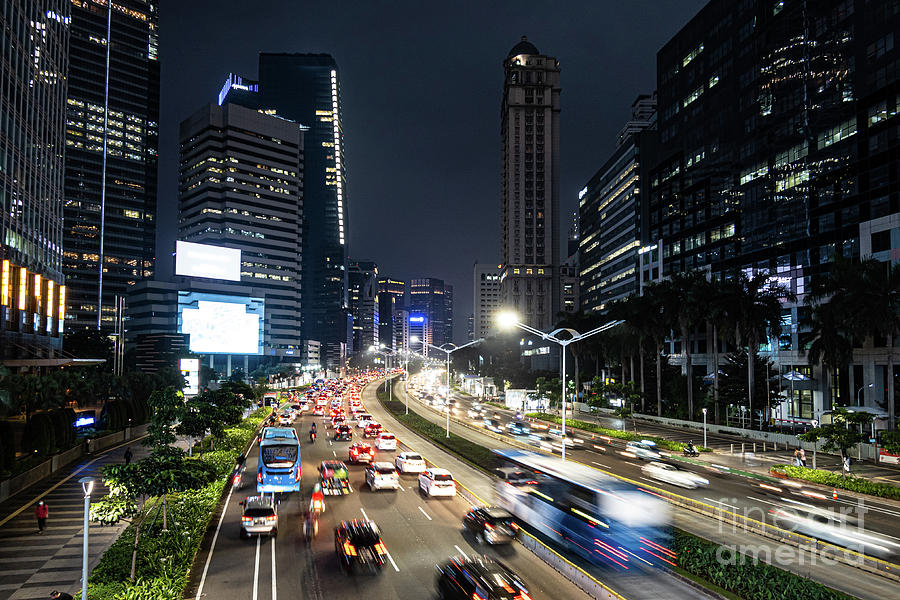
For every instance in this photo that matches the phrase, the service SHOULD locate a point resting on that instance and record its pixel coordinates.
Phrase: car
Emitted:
(381, 475)
(465, 578)
(437, 482)
(644, 450)
(669, 473)
(827, 525)
(259, 515)
(474, 413)
(319, 411)
(518, 428)
(343, 433)
(357, 543)
(386, 441)
(372, 430)
(363, 419)
(337, 421)
(491, 524)
(409, 462)
(516, 477)
(335, 478)
(492, 425)
(361, 453)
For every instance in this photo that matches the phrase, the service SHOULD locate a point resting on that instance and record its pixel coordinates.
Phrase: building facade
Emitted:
(391, 298)
(611, 210)
(241, 186)
(434, 299)
(112, 142)
(363, 296)
(32, 142)
(486, 287)
(529, 127)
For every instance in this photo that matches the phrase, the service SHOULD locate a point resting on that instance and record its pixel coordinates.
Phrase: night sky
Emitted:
(422, 85)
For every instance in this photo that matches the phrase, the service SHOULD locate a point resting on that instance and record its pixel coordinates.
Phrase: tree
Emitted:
(719, 317)
(830, 346)
(653, 309)
(549, 389)
(846, 430)
(89, 343)
(683, 294)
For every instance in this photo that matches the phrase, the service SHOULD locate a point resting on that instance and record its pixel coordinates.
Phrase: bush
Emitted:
(614, 433)
(837, 480)
(38, 438)
(743, 575)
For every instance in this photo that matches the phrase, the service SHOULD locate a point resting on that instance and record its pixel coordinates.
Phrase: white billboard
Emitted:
(220, 324)
(202, 260)
(190, 370)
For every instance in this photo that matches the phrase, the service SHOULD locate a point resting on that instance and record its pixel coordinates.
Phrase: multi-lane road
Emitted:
(418, 533)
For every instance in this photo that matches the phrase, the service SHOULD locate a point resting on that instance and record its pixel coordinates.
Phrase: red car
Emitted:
(373, 430)
(361, 453)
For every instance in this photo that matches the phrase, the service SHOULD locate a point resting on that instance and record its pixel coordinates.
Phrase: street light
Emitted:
(704, 428)
(385, 354)
(448, 352)
(87, 485)
(413, 339)
(507, 320)
(858, 401)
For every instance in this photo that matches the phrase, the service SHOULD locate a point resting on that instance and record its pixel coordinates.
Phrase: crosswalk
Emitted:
(34, 564)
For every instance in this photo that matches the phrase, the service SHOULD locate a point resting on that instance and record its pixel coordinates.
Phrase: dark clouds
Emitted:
(421, 93)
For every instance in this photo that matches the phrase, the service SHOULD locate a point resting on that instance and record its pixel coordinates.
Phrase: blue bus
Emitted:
(606, 521)
(279, 460)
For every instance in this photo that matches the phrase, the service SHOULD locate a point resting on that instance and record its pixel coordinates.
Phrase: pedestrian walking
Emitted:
(41, 512)
(802, 457)
(796, 460)
(128, 455)
(847, 464)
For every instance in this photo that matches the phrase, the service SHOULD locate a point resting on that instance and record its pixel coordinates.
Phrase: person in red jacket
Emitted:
(41, 512)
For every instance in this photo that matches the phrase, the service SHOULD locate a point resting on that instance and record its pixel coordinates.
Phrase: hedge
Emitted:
(473, 453)
(614, 433)
(837, 480)
(743, 575)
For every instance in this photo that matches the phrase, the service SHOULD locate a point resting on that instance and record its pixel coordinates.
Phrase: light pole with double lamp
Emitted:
(448, 352)
(380, 349)
(508, 320)
(414, 339)
(87, 486)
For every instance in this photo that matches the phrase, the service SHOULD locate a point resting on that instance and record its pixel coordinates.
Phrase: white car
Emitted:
(409, 462)
(382, 475)
(437, 482)
(363, 419)
(672, 474)
(644, 450)
(386, 441)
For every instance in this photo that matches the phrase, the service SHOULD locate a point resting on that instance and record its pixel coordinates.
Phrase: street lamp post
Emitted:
(413, 339)
(508, 320)
(87, 486)
(858, 401)
(385, 353)
(704, 428)
(448, 352)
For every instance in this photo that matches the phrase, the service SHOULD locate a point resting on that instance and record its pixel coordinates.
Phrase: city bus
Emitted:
(602, 519)
(279, 460)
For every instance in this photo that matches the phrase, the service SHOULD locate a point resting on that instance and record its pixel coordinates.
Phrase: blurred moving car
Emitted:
(644, 450)
(361, 453)
(669, 473)
(357, 543)
(514, 476)
(518, 428)
(481, 578)
(259, 515)
(437, 482)
(491, 524)
(343, 433)
(335, 478)
(386, 441)
(830, 526)
(492, 425)
(409, 462)
(382, 475)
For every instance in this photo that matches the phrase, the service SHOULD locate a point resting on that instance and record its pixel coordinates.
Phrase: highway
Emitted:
(418, 534)
(731, 493)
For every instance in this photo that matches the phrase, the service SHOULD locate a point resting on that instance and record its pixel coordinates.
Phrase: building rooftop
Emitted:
(523, 47)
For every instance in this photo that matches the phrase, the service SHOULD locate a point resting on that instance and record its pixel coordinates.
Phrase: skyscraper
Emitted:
(362, 292)
(110, 179)
(486, 288)
(391, 298)
(306, 88)
(33, 94)
(240, 186)
(434, 299)
(529, 126)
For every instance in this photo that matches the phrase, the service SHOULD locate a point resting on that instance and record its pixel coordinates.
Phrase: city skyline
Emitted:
(388, 121)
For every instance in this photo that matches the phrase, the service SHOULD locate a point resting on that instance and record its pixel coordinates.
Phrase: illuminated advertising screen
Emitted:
(220, 324)
(201, 260)
(190, 370)
(416, 318)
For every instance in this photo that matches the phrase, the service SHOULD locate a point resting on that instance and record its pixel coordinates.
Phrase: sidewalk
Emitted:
(31, 564)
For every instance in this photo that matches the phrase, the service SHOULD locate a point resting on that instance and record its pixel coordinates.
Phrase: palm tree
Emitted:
(714, 300)
(830, 345)
(684, 292)
(757, 308)
(656, 322)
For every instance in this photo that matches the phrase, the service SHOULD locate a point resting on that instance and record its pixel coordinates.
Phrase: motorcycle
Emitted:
(691, 451)
(312, 437)
(237, 477)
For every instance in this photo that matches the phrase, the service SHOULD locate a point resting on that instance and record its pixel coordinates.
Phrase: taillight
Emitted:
(522, 596)
(349, 549)
(488, 526)
(259, 476)
(297, 478)
(236, 479)
(246, 519)
(379, 547)
(514, 526)
(270, 518)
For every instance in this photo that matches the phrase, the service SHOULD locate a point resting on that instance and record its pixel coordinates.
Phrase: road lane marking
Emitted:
(274, 587)
(364, 513)
(425, 513)
(466, 556)
(601, 465)
(256, 571)
(335, 453)
(391, 558)
(720, 502)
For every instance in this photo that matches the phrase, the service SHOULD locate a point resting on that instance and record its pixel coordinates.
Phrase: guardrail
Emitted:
(830, 551)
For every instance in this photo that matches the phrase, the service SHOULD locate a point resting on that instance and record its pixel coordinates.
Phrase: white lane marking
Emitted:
(720, 502)
(335, 453)
(256, 571)
(212, 546)
(364, 513)
(466, 556)
(274, 587)
(601, 465)
(401, 487)
(425, 513)
(391, 558)
(330, 443)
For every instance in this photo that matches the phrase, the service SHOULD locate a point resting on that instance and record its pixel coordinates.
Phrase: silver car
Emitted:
(260, 516)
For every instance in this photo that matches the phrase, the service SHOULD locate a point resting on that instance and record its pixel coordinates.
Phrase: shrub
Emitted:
(113, 415)
(837, 480)
(38, 437)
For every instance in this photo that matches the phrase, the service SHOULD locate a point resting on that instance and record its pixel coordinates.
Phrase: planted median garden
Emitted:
(169, 498)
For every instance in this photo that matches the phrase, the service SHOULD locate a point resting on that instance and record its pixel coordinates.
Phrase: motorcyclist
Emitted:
(690, 447)
(317, 502)
(310, 525)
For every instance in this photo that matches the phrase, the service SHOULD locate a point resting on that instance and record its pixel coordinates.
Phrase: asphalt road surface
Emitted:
(418, 534)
